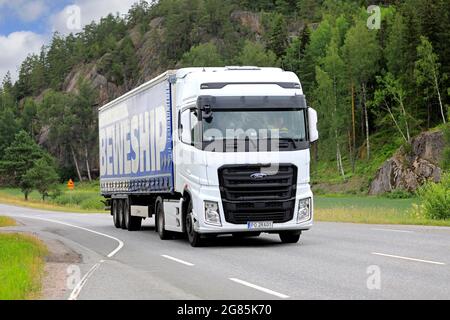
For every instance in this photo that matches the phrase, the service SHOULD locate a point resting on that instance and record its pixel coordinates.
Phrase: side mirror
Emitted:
(312, 121)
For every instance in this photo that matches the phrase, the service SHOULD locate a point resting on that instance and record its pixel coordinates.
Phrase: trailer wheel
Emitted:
(160, 223)
(115, 213)
(290, 236)
(194, 237)
(131, 223)
(126, 214)
(120, 213)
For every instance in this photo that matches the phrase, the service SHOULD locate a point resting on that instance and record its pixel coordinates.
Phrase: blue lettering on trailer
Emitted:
(136, 143)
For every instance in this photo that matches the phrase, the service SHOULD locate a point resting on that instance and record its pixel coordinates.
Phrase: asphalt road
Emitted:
(331, 261)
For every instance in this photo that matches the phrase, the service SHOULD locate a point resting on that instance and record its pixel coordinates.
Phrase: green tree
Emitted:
(427, 70)
(84, 114)
(446, 155)
(362, 53)
(330, 97)
(56, 112)
(315, 50)
(203, 55)
(28, 118)
(42, 177)
(18, 158)
(295, 52)
(391, 96)
(277, 35)
(254, 54)
(8, 129)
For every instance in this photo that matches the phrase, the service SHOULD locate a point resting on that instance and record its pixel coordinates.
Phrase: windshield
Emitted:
(230, 125)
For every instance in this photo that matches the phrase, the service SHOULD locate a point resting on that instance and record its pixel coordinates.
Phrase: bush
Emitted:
(435, 199)
(92, 204)
(72, 198)
(399, 194)
(446, 154)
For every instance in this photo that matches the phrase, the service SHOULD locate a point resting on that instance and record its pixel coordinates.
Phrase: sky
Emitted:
(27, 25)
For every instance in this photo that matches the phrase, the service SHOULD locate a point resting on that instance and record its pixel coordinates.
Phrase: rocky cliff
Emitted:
(411, 167)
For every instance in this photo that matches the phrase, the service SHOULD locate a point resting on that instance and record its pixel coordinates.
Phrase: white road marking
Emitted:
(254, 286)
(110, 255)
(177, 260)
(77, 290)
(393, 230)
(407, 258)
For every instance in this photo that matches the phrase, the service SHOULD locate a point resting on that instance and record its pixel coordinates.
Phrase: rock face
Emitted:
(409, 170)
(248, 19)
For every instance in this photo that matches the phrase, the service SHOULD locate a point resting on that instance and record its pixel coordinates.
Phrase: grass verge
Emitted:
(6, 222)
(21, 266)
(85, 199)
(371, 210)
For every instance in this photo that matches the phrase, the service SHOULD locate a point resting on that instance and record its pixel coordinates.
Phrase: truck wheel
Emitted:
(163, 234)
(120, 213)
(115, 212)
(126, 214)
(290, 236)
(194, 237)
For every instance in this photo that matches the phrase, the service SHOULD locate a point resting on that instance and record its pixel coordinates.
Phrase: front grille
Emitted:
(269, 198)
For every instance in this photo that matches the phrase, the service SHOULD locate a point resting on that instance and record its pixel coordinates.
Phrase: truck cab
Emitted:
(242, 153)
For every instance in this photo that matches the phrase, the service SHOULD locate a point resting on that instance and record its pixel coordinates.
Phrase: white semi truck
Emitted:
(209, 151)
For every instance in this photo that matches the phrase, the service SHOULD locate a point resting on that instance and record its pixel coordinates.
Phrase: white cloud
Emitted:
(26, 10)
(15, 48)
(86, 11)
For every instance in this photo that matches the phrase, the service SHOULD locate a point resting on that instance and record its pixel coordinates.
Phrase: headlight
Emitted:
(212, 215)
(304, 210)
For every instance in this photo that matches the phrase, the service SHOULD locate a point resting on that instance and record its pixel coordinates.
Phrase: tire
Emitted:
(114, 209)
(290, 237)
(120, 214)
(194, 237)
(163, 233)
(131, 223)
(126, 214)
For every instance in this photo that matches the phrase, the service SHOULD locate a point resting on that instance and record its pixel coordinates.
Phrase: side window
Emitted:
(185, 127)
(195, 125)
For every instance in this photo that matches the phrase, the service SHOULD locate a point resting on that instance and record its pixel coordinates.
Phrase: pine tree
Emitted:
(18, 158)
(277, 35)
(42, 177)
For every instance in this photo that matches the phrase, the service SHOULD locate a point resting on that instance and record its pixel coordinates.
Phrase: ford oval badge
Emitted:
(258, 175)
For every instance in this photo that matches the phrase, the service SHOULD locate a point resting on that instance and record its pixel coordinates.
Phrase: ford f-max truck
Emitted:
(210, 151)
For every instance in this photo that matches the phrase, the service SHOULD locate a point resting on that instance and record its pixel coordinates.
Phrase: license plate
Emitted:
(260, 225)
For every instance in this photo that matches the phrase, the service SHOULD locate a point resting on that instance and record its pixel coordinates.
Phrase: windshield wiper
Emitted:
(294, 141)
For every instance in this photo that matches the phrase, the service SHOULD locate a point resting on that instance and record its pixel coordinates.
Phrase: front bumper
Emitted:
(213, 194)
